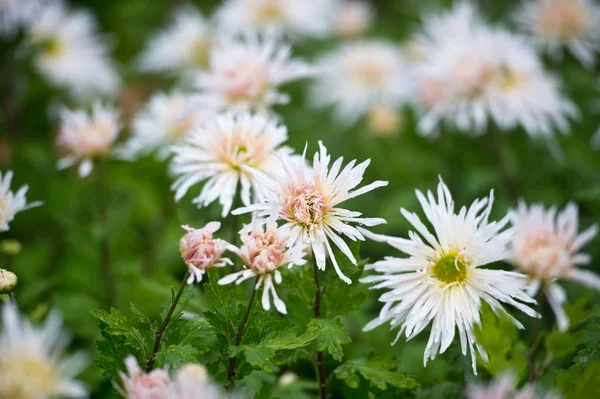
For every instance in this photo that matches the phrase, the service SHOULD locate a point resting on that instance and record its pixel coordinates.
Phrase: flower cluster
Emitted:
(191, 381)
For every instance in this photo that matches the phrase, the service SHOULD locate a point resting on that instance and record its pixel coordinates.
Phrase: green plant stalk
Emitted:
(107, 275)
(322, 373)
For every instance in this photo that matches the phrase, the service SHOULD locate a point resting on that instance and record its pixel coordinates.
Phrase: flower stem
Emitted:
(322, 374)
(10, 297)
(107, 275)
(533, 370)
(240, 332)
(161, 330)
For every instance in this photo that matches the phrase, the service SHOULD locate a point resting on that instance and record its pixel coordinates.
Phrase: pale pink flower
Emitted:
(200, 251)
(547, 247)
(264, 249)
(140, 385)
(85, 137)
(504, 387)
(352, 18)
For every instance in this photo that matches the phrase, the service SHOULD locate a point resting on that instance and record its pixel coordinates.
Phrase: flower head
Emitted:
(556, 24)
(164, 121)
(12, 203)
(32, 365)
(85, 137)
(245, 74)
(190, 382)
(479, 74)
(220, 150)
(352, 18)
(504, 387)
(70, 49)
(183, 46)
(277, 18)
(442, 282)
(307, 202)
(200, 251)
(264, 250)
(14, 14)
(360, 76)
(547, 247)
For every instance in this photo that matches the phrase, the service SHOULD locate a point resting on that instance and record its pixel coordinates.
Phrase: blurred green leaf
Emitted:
(378, 371)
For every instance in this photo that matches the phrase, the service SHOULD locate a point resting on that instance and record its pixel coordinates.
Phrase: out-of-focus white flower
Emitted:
(384, 121)
(352, 18)
(184, 45)
(307, 201)
(8, 281)
(504, 387)
(70, 52)
(12, 203)
(547, 247)
(442, 282)
(14, 14)
(287, 378)
(556, 24)
(220, 150)
(277, 18)
(359, 76)
(467, 74)
(190, 382)
(200, 251)
(263, 252)
(32, 365)
(85, 137)
(245, 74)
(167, 119)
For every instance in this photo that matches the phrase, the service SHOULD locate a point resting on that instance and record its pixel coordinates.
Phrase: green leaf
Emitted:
(329, 335)
(576, 383)
(175, 355)
(591, 351)
(340, 298)
(442, 390)
(560, 344)
(378, 371)
(112, 351)
(500, 339)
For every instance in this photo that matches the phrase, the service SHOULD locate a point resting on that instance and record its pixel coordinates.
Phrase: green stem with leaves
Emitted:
(158, 334)
(240, 332)
(322, 373)
(107, 275)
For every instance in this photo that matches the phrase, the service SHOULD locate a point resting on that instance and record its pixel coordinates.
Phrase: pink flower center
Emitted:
(304, 204)
(265, 251)
(199, 249)
(246, 81)
(242, 147)
(546, 256)
(563, 19)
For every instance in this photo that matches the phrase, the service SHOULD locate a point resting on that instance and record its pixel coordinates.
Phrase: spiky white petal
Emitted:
(12, 203)
(441, 282)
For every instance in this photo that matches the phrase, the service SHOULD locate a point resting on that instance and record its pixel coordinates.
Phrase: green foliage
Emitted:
(329, 335)
(591, 351)
(378, 371)
(500, 339)
(577, 383)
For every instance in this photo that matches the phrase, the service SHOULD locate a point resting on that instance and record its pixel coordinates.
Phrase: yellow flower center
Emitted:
(450, 268)
(269, 11)
(27, 377)
(201, 53)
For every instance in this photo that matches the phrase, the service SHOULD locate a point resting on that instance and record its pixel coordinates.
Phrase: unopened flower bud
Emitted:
(11, 247)
(192, 374)
(287, 378)
(8, 281)
(199, 250)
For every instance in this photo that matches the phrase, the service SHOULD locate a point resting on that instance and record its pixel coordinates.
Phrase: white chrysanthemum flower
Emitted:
(190, 382)
(479, 74)
(504, 387)
(218, 152)
(200, 251)
(442, 282)
(359, 77)
(185, 45)
(71, 53)
(14, 14)
(85, 137)
(264, 250)
(352, 18)
(556, 24)
(12, 203)
(277, 18)
(32, 364)
(166, 119)
(307, 201)
(547, 247)
(246, 75)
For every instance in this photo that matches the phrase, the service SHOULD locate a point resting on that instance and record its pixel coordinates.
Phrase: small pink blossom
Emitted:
(200, 251)
(139, 385)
